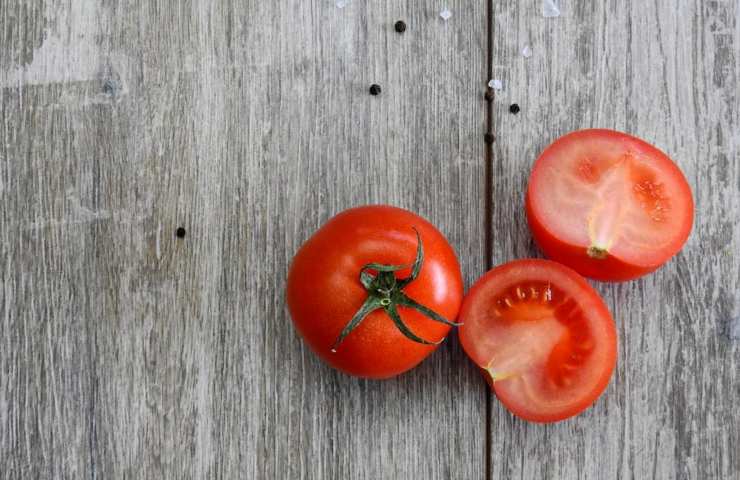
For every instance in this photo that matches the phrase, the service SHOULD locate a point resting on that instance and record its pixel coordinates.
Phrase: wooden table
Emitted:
(128, 352)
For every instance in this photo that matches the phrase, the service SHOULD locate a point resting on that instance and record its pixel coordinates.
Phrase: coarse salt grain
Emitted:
(550, 9)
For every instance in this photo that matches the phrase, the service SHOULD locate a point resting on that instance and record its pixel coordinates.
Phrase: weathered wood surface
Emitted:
(668, 72)
(126, 352)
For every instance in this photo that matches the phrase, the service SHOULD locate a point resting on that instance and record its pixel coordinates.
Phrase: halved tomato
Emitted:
(608, 205)
(542, 336)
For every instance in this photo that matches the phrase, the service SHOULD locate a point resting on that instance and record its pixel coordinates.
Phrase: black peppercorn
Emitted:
(488, 138)
(180, 232)
(374, 89)
(400, 26)
(514, 108)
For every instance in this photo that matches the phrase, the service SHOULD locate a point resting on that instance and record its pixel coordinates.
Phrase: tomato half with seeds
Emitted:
(374, 290)
(542, 336)
(608, 205)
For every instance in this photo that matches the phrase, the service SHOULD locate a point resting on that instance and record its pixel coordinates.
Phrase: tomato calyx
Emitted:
(385, 290)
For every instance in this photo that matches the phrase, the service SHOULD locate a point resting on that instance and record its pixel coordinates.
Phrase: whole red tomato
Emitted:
(372, 290)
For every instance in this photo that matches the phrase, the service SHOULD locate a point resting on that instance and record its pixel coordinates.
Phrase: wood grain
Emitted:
(129, 353)
(667, 72)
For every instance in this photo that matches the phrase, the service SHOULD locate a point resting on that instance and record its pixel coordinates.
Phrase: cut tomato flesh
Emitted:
(611, 194)
(542, 335)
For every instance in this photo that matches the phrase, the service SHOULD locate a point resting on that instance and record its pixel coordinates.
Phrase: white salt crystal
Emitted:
(526, 51)
(496, 84)
(445, 14)
(550, 8)
(342, 3)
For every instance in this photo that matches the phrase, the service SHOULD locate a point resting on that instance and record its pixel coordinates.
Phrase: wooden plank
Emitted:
(130, 353)
(667, 72)
(417, 145)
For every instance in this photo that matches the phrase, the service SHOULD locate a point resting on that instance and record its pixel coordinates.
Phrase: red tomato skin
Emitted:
(324, 291)
(600, 310)
(610, 269)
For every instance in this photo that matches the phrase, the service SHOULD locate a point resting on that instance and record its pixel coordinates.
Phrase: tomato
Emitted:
(608, 205)
(383, 260)
(542, 336)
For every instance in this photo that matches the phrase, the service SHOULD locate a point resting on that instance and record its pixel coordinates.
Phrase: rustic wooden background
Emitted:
(127, 352)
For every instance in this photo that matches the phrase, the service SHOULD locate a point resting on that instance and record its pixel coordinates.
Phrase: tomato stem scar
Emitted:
(598, 253)
(497, 376)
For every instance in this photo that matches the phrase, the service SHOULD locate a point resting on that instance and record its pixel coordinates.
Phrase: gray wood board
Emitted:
(126, 352)
(667, 72)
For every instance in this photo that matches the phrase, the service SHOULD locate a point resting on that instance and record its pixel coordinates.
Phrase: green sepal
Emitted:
(405, 301)
(416, 266)
(371, 304)
(393, 313)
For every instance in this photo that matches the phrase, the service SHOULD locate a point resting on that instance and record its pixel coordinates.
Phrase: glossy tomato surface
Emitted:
(324, 291)
(608, 205)
(542, 336)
